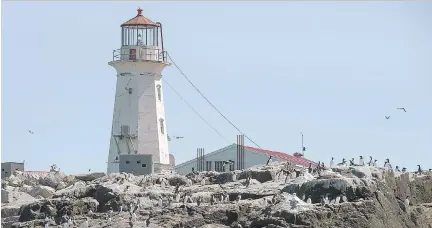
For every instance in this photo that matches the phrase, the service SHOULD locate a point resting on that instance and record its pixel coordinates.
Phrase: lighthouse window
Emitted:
(159, 94)
(161, 122)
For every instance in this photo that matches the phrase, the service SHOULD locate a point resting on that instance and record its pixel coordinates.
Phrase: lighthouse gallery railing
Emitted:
(140, 54)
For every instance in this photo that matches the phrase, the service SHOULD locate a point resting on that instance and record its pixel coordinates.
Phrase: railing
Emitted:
(140, 54)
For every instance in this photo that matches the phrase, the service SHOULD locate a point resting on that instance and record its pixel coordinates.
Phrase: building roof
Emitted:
(283, 156)
(40, 173)
(287, 157)
(139, 20)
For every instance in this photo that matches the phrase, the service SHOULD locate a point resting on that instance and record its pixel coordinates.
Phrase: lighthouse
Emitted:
(138, 125)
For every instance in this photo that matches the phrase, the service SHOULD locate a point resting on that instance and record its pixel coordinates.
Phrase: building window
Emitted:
(159, 93)
(132, 54)
(161, 123)
(218, 166)
(208, 165)
(138, 162)
(143, 165)
(127, 162)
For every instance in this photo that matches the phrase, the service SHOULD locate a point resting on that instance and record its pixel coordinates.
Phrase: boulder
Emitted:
(43, 191)
(89, 176)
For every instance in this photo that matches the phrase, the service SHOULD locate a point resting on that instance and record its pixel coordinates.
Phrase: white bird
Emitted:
(203, 182)
(361, 162)
(309, 200)
(222, 198)
(177, 199)
(323, 202)
(344, 198)
(374, 163)
(199, 201)
(186, 198)
(337, 200)
(332, 163)
(121, 208)
(406, 203)
(163, 183)
(212, 200)
(134, 217)
(160, 202)
(326, 200)
(238, 198)
(227, 199)
(234, 177)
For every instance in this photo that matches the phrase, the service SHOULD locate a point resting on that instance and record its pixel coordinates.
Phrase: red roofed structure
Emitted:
(298, 160)
(139, 19)
(40, 173)
(251, 156)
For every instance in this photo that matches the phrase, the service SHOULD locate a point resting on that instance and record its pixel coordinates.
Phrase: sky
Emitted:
(331, 70)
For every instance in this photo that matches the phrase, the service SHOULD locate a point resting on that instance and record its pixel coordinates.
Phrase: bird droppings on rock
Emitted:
(273, 195)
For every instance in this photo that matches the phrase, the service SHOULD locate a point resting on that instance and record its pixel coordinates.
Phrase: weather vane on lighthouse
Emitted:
(138, 125)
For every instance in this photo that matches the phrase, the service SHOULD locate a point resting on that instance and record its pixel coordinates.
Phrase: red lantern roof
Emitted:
(139, 20)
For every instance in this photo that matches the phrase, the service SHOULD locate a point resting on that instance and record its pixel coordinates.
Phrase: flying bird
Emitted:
(31, 132)
(387, 117)
(402, 109)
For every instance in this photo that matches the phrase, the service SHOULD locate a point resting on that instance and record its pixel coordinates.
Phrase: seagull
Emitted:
(374, 163)
(269, 160)
(177, 199)
(387, 117)
(402, 109)
(203, 182)
(31, 132)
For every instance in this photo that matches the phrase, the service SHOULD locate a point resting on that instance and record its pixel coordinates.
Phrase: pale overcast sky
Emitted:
(331, 70)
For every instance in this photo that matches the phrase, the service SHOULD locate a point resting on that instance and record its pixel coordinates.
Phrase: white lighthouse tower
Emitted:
(138, 125)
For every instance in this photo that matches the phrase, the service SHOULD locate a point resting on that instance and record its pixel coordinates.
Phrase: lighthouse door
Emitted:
(132, 54)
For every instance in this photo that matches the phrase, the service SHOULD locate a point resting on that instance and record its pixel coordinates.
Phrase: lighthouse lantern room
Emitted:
(138, 125)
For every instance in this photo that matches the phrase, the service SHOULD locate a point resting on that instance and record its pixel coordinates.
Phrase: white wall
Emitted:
(141, 110)
(227, 153)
